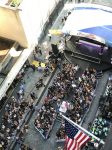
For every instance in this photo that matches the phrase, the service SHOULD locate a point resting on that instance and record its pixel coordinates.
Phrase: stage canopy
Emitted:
(90, 20)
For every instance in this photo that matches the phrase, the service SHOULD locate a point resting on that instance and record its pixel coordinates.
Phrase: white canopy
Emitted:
(90, 19)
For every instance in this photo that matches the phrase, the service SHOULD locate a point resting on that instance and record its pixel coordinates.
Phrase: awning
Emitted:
(90, 20)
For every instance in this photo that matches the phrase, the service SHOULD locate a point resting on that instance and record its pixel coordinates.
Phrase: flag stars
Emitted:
(74, 137)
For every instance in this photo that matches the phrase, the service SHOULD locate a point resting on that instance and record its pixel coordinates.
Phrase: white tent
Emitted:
(90, 20)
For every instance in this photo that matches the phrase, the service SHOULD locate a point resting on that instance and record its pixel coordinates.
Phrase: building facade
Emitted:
(22, 22)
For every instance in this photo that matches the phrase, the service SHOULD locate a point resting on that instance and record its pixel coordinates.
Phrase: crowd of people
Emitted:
(21, 74)
(13, 116)
(45, 119)
(64, 85)
(92, 145)
(100, 127)
(14, 113)
(101, 124)
(106, 102)
(18, 79)
(79, 90)
(24, 147)
(57, 92)
(83, 94)
(18, 107)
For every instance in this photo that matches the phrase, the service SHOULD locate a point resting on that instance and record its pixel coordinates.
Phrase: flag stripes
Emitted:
(75, 138)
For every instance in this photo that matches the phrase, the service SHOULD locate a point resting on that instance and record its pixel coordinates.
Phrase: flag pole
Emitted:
(75, 124)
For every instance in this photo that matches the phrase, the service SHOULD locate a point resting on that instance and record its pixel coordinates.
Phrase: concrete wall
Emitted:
(25, 24)
(27, 21)
(33, 16)
(8, 57)
(10, 26)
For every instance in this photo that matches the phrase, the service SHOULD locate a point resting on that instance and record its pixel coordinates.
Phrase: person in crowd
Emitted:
(39, 83)
(22, 86)
(33, 95)
(40, 69)
(46, 70)
(33, 68)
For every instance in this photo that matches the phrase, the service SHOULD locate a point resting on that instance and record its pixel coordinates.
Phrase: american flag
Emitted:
(75, 138)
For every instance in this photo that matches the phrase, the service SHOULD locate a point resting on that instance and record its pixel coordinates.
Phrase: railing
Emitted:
(48, 133)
